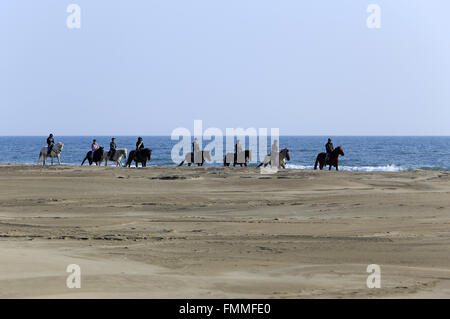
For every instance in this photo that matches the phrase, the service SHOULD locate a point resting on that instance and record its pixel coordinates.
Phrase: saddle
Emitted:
(140, 153)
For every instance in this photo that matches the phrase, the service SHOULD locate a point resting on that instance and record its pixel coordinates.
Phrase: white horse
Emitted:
(56, 152)
(285, 154)
(118, 155)
(200, 158)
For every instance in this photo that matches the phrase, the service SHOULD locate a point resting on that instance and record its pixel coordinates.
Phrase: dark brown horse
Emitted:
(332, 161)
(97, 158)
(142, 157)
(233, 158)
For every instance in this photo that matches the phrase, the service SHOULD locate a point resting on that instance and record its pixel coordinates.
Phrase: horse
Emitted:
(233, 157)
(332, 161)
(189, 158)
(55, 152)
(142, 156)
(285, 154)
(121, 152)
(97, 158)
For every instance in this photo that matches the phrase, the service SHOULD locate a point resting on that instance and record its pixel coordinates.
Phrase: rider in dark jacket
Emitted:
(112, 148)
(50, 143)
(329, 148)
(139, 144)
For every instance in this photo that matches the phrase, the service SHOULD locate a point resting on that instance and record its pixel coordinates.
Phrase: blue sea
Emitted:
(361, 153)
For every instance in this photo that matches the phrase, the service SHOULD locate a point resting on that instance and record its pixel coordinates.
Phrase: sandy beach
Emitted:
(169, 232)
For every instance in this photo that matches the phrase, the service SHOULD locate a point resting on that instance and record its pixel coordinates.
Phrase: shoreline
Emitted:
(151, 166)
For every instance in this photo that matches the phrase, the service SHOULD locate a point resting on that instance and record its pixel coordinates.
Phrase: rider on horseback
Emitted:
(50, 143)
(112, 148)
(195, 146)
(275, 155)
(238, 146)
(195, 151)
(240, 157)
(139, 145)
(94, 147)
(329, 148)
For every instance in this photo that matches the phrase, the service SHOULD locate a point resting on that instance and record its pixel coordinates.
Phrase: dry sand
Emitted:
(220, 233)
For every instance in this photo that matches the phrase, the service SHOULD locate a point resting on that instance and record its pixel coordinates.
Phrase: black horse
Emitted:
(227, 159)
(142, 156)
(97, 158)
(332, 161)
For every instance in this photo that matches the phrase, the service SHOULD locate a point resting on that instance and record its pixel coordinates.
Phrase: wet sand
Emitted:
(222, 233)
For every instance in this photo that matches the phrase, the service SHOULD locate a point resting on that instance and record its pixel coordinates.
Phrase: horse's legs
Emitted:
(52, 159)
(189, 164)
(59, 159)
(44, 160)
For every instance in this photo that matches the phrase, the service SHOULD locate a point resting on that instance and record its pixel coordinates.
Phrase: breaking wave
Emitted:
(385, 168)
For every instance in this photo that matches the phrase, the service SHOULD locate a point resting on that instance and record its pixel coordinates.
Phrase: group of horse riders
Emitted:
(195, 148)
(95, 146)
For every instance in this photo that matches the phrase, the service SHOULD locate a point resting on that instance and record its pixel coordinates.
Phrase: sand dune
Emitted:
(215, 232)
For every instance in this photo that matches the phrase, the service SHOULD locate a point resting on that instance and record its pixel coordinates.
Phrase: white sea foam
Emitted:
(385, 168)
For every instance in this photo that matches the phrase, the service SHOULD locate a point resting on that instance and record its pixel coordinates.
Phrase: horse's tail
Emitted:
(84, 160)
(39, 159)
(260, 164)
(317, 161)
(181, 164)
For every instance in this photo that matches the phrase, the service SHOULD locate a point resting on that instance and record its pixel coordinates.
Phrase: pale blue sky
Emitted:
(144, 67)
